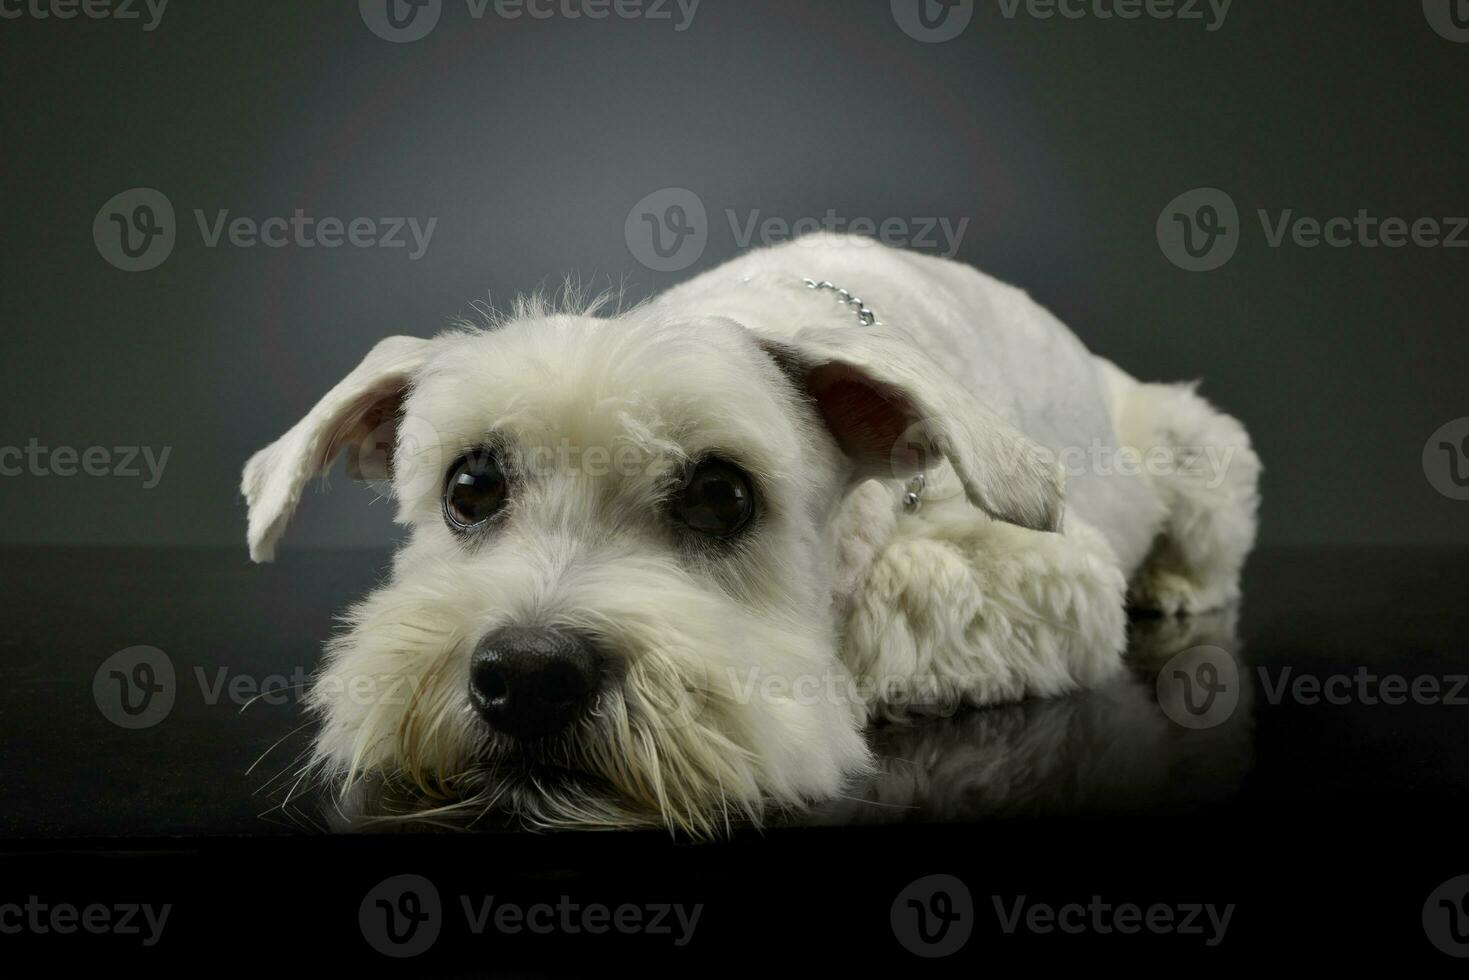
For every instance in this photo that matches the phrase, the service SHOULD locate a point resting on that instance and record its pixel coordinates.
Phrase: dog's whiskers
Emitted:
(274, 690)
(276, 744)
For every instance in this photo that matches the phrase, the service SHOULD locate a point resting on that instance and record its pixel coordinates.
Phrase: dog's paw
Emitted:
(1171, 593)
(962, 609)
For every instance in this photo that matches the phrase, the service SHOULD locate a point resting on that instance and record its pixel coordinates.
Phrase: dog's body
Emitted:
(732, 668)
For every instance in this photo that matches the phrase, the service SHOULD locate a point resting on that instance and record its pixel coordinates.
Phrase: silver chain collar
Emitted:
(865, 316)
(913, 496)
(913, 499)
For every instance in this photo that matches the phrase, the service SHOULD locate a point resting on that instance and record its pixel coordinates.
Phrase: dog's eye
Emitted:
(475, 491)
(717, 499)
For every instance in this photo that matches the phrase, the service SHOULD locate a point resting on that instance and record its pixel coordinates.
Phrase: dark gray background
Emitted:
(530, 141)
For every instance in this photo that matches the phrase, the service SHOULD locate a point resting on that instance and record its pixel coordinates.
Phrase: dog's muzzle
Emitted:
(531, 682)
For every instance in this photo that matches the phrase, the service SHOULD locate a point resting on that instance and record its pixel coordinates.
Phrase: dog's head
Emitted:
(615, 602)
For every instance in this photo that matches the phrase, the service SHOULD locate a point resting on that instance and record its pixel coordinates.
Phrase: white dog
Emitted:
(664, 566)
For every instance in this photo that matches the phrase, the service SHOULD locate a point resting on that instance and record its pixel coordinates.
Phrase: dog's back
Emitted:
(1010, 352)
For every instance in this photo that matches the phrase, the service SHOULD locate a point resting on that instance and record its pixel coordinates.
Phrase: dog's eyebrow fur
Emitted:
(787, 360)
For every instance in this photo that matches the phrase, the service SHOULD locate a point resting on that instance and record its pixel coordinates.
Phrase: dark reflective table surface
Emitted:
(242, 640)
(1327, 800)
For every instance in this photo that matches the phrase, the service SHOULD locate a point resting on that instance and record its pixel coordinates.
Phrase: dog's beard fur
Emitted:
(684, 734)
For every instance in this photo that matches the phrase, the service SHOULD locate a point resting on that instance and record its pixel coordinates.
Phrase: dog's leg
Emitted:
(1202, 466)
(959, 608)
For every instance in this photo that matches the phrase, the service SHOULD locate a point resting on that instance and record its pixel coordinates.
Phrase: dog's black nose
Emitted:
(533, 682)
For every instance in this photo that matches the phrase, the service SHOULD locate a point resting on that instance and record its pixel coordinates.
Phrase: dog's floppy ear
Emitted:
(361, 402)
(892, 409)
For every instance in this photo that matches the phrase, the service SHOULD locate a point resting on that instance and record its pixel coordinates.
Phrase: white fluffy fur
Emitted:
(746, 675)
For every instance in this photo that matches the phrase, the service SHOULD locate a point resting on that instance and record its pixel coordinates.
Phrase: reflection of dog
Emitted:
(1108, 750)
(663, 566)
